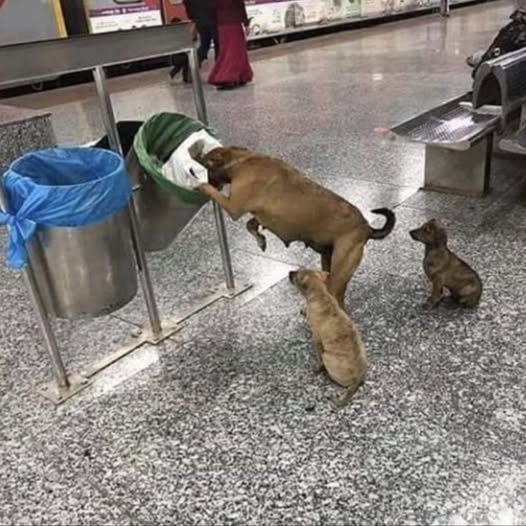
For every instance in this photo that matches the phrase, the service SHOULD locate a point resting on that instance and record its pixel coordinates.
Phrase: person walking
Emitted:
(232, 68)
(202, 13)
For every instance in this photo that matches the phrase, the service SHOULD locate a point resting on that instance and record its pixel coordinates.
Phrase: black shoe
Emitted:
(228, 86)
(174, 71)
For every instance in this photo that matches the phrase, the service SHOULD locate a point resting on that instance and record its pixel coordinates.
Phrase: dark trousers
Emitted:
(207, 36)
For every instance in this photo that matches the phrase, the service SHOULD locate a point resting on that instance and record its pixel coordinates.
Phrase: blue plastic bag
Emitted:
(64, 187)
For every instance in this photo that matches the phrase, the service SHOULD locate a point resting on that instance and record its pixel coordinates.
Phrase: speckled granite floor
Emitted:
(225, 423)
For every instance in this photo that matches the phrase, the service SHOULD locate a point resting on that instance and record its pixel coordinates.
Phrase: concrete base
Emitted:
(459, 172)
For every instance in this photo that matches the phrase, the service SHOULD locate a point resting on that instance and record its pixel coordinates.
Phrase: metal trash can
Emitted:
(85, 271)
(80, 248)
(161, 216)
(163, 210)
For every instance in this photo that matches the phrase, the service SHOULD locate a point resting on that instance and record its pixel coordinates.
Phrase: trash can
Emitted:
(163, 208)
(161, 216)
(67, 210)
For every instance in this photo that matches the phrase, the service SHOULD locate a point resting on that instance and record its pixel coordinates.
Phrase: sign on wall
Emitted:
(117, 15)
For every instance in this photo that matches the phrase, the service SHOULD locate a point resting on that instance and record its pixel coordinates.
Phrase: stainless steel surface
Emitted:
(85, 271)
(450, 125)
(502, 81)
(200, 105)
(515, 143)
(223, 245)
(57, 365)
(460, 172)
(60, 394)
(161, 216)
(142, 265)
(197, 86)
(142, 338)
(39, 60)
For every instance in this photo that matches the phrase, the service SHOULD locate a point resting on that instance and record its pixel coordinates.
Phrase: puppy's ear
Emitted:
(324, 276)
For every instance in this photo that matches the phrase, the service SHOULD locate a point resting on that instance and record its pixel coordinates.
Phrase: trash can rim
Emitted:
(13, 173)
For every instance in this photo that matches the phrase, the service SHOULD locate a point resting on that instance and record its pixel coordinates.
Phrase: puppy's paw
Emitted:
(430, 304)
(338, 403)
(318, 368)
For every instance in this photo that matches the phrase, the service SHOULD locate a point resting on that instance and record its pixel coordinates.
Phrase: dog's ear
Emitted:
(439, 233)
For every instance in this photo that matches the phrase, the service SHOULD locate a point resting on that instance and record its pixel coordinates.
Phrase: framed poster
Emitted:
(283, 16)
(118, 15)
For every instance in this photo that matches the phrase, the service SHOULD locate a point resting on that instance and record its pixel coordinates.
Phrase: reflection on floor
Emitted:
(216, 425)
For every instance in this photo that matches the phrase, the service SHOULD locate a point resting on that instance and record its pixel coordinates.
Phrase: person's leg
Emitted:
(215, 39)
(205, 39)
(178, 63)
(186, 71)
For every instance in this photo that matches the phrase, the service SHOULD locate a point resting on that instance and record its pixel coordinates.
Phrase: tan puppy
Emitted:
(340, 350)
(294, 208)
(444, 269)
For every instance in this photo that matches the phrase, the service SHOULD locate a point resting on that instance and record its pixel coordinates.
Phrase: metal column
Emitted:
(200, 105)
(444, 7)
(108, 117)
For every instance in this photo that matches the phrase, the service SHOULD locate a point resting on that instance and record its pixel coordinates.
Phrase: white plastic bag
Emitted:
(181, 169)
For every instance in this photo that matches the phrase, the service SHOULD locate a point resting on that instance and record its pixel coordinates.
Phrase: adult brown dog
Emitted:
(339, 347)
(294, 208)
(446, 270)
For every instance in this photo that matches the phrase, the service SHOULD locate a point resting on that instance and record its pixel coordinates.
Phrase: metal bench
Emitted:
(458, 134)
(502, 82)
(459, 144)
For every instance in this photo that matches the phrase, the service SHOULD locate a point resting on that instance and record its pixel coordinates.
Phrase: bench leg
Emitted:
(459, 172)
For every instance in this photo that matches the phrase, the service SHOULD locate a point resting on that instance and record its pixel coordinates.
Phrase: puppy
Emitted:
(444, 269)
(284, 201)
(339, 348)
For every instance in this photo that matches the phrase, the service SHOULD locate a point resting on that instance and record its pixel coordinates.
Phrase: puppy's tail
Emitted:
(380, 233)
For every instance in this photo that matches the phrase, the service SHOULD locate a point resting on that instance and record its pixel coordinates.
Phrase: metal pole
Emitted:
(57, 365)
(113, 136)
(199, 100)
(444, 7)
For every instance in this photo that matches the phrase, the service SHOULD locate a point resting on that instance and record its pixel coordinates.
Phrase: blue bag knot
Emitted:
(21, 230)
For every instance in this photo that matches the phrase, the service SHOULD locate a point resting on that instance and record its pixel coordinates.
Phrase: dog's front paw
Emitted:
(205, 188)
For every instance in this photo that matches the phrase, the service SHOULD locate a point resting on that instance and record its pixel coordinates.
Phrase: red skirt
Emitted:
(232, 65)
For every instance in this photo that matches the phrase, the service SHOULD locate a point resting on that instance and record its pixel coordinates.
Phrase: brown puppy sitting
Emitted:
(339, 348)
(294, 208)
(444, 269)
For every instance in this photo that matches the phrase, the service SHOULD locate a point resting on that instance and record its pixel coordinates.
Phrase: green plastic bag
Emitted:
(155, 142)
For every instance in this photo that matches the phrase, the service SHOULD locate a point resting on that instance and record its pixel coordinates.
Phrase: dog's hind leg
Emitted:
(326, 257)
(346, 257)
(318, 360)
(253, 227)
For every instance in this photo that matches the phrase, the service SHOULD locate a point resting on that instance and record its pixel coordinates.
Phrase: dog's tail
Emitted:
(380, 233)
